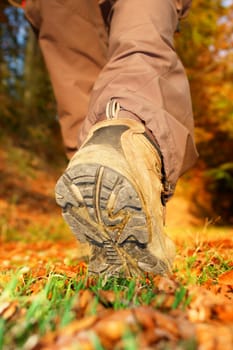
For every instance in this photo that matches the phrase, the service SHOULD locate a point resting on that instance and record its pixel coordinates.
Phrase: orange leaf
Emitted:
(226, 278)
(8, 309)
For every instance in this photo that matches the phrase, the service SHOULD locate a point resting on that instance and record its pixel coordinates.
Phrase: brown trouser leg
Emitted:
(141, 71)
(73, 40)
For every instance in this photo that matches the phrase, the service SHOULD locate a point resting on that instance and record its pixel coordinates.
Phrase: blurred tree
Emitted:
(27, 107)
(206, 48)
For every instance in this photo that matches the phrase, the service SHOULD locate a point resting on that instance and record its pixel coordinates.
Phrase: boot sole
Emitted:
(102, 207)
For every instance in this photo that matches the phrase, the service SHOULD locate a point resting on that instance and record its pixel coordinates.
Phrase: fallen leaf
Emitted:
(167, 284)
(108, 297)
(8, 309)
(224, 312)
(214, 337)
(226, 278)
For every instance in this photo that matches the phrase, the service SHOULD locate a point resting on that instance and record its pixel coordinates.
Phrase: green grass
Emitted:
(38, 313)
(52, 307)
(204, 264)
(48, 302)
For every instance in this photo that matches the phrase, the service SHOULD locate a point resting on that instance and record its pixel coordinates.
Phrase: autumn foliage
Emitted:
(205, 45)
(47, 300)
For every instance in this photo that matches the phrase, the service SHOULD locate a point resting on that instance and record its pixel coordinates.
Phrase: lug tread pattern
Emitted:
(102, 207)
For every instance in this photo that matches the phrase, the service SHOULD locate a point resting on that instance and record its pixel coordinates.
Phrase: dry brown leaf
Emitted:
(163, 301)
(163, 334)
(187, 329)
(8, 309)
(148, 337)
(108, 297)
(214, 337)
(81, 343)
(167, 322)
(65, 337)
(79, 325)
(85, 297)
(226, 278)
(81, 340)
(112, 329)
(167, 284)
(224, 312)
(223, 290)
(150, 318)
(203, 304)
(144, 315)
(226, 243)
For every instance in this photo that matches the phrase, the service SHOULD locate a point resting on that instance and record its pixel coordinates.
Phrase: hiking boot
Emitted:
(110, 196)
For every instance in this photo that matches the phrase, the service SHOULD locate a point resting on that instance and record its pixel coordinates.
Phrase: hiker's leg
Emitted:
(111, 192)
(73, 39)
(145, 76)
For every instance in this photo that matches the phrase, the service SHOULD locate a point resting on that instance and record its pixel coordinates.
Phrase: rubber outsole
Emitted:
(102, 207)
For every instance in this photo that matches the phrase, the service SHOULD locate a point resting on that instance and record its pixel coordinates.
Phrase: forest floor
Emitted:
(48, 302)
